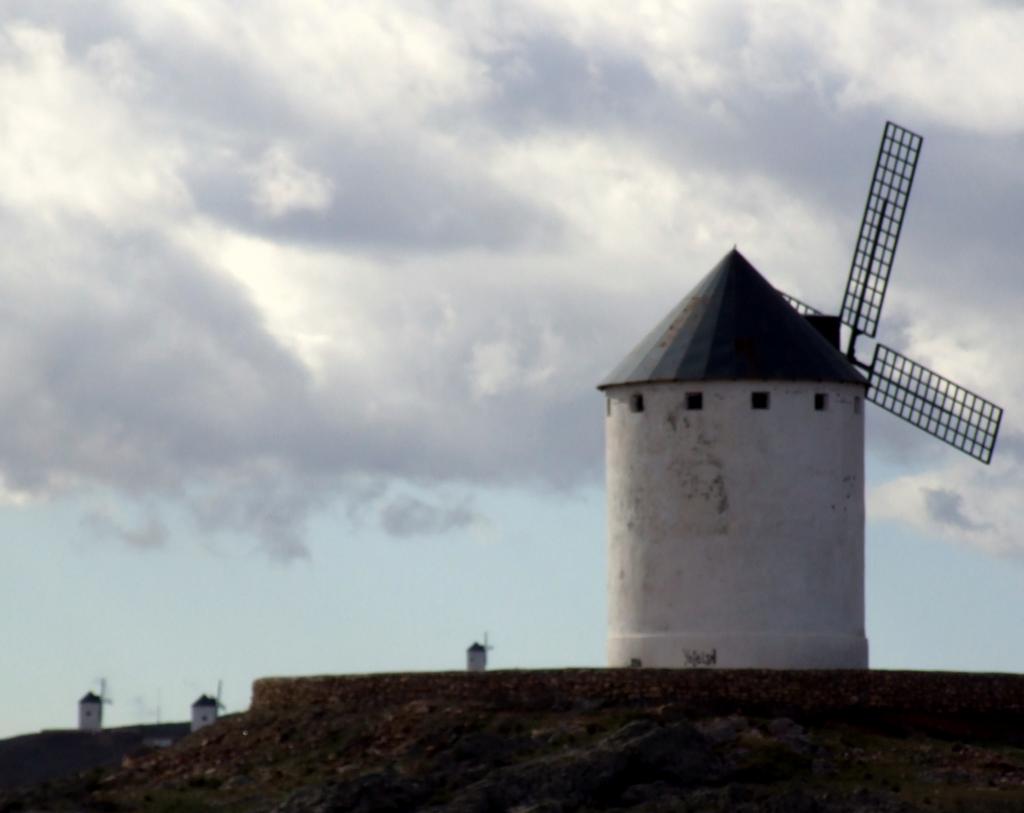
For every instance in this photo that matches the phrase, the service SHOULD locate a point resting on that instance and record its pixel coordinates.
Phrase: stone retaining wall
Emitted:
(747, 690)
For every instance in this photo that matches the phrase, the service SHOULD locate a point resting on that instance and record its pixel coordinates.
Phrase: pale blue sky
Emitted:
(303, 307)
(167, 625)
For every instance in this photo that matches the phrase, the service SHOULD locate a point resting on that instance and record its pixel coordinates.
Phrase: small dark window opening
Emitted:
(636, 403)
(635, 663)
(759, 400)
(695, 400)
(856, 406)
(607, 406)
(820, 401)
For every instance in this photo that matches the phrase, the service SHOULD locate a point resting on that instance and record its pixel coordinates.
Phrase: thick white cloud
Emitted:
(353, 65)
(282, 185)
(953, 63)
(257, 263)
(73, 146)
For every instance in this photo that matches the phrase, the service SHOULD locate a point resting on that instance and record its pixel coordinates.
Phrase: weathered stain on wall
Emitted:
(700, 657)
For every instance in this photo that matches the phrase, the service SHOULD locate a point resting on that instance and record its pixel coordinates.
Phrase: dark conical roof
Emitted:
(733, 325)
(205, 700)
(89, 697)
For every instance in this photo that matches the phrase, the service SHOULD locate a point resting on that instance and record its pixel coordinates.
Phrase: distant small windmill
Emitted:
(90, 708)
(476, 656)
(205, 709)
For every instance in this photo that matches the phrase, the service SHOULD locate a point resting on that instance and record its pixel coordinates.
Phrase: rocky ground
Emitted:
(433, 754)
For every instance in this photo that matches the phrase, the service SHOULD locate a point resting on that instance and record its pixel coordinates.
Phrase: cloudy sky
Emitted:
(303, 305)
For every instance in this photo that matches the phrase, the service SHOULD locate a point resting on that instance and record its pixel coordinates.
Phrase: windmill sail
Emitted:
(880, 229)
(800, 307)
(933, 403)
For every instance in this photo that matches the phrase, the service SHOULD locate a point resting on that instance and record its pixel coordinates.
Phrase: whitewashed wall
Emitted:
(736, 536)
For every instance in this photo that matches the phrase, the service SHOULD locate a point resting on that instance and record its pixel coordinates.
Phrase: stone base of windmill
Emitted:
(732, 651)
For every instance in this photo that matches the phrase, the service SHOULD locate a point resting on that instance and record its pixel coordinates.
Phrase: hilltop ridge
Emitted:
(584, 740)
(46, 755)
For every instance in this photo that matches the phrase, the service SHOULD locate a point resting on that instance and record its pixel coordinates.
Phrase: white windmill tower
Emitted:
(735, 460)
(206, 708)
(90, 709)
(476, 656)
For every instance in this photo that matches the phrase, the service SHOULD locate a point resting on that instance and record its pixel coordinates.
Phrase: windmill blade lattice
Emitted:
(880, 228)
(933, 403)
(800, 307)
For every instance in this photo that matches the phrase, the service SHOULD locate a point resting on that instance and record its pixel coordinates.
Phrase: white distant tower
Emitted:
(204, 712)
(90, 712)
(90, 709)
(476, 656)
(205, 709)
(735, 479)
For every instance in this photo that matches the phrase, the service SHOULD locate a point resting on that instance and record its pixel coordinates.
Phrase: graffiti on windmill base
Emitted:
(700, 657)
